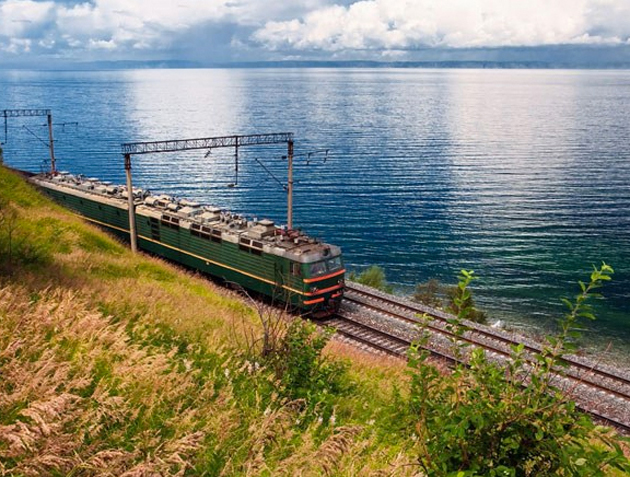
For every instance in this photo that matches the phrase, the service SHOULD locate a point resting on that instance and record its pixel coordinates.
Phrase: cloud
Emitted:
(416, 24)
(19, 18)
(260, 29)
(124, 26)
(17, 46)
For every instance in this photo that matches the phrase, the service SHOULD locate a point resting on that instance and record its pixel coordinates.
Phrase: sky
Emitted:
(53, 32)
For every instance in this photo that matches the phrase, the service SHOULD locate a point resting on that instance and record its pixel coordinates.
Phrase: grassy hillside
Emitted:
(115, 364)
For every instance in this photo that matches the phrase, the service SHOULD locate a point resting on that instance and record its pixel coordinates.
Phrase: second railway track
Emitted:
(392, 324)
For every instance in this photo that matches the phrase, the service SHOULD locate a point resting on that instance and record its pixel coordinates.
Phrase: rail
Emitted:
(608, 392)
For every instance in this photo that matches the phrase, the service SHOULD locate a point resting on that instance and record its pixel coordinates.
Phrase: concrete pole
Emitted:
(53, 168)
(132, 208)
(290, 186)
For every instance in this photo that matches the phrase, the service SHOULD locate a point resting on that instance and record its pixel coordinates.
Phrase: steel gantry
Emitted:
(16, 113)
(209, 143)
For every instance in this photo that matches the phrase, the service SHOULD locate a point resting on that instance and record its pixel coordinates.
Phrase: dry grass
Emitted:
(61, 411)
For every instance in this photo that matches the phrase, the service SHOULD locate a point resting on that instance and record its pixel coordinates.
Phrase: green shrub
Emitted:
(461, 302)
(372, 277)
(302, 371)
(489, 420)
(431, 293)
(457, 300)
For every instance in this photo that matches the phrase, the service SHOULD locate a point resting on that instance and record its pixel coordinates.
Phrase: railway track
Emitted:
(389, 324)
(368, 336)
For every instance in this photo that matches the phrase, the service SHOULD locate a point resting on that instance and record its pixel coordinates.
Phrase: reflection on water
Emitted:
(523, 176)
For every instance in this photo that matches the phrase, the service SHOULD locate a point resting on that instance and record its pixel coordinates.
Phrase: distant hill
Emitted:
(540, 57)
(471, 64)
(417, 64)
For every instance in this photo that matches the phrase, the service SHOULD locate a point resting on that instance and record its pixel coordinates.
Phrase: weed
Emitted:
(487, 420)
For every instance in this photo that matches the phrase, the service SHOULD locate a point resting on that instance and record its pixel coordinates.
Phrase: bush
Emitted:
(431, 293)
(456, 300)
(373, 277)
(302, 369)
(290, 354)
(488, 420)
(461, 302)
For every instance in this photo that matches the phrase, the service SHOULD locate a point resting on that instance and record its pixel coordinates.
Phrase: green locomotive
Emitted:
(285, 265)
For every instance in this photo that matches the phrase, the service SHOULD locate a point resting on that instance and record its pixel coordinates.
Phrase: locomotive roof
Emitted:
(263, 234)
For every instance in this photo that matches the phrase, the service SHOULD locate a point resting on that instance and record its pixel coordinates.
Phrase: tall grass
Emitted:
(77, 395)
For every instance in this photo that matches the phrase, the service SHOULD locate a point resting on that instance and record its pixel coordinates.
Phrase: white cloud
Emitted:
(17, 46)
(102, 45)
(134, 24)
(412, 24)
(19, 17)
(384, 28)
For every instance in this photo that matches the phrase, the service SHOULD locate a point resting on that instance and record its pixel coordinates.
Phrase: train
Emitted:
(284, 265)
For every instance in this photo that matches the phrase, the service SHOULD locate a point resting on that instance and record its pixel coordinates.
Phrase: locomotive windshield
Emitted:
(330, 265)
(334, 263)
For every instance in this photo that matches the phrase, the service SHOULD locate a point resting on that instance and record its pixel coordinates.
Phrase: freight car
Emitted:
(285, 265)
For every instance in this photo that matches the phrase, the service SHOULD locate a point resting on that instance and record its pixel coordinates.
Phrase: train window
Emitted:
(334, 263)
(296, 269)
(318, 268)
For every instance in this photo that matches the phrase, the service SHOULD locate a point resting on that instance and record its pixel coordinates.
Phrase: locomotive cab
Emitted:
(323, 281)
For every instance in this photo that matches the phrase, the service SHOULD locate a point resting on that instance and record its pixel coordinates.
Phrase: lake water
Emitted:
(521, 175)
